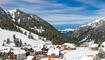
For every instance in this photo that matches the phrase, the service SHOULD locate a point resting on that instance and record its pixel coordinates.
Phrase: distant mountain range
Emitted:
(67, 28)
(67, 31)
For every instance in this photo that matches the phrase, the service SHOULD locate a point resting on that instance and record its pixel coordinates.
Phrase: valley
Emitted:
(67, 28)
(25, 36)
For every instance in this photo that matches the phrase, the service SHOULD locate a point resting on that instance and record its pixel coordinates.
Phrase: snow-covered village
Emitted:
(41, 49)
(52, 30)
(20, 47)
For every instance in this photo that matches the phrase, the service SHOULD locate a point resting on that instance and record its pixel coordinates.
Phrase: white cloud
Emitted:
(59, 7)
(101, 12)
(7, 2)
(95, 3)
(68, 17)
(60, 23)
(58, 11)
(39, 9)
(36, 1)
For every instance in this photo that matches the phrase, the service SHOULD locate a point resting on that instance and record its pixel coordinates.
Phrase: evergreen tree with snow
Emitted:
(14, 37)
(17, 43)
(30, 36)
(4, 40)
(3, 44)
(25, 33)
(20, 43)
(8, 41)
(15, 40)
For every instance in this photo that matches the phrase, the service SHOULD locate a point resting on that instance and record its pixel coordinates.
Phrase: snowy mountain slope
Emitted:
(35, 42)
(8, 29)
(94, 31)
(32, 23)
(96, 23)
(28, 19)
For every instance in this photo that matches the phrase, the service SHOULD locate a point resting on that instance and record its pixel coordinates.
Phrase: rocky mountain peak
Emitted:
(96, 23)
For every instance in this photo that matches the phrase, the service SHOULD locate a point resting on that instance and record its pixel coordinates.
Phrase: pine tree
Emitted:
(4, 40)
(17, 43)
(25, 33)
(25, 44)
(15, 40)
(14, 36)
(20, 43)
(8, 40)
(30, 36)
(3, 44)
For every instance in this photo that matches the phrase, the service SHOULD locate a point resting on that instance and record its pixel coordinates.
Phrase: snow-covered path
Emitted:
(77, 54)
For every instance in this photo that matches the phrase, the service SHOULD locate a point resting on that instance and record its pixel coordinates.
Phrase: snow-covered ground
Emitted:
(79, 54)
(35, 43)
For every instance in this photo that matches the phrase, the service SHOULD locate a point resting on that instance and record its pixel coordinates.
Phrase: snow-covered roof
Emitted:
(93, 45)
(53, 50)
(88, 43)
(4, 49)
(70, 45)
(49, 46)
(30, 57)
(18, 52)
(15, 50)
(37, 49)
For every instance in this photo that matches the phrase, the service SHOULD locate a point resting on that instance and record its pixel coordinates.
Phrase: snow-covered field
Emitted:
(79, 54)
(35, 43)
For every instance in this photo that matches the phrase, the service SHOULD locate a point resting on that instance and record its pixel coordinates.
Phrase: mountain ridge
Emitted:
(34, 24)
(94, 31)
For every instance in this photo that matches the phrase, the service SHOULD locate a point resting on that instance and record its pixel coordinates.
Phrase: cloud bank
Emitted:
(56, 12)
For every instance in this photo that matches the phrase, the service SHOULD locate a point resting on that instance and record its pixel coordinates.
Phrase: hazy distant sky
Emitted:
(60, 11)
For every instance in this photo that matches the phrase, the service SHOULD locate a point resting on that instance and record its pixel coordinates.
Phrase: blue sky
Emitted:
(60, 11)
